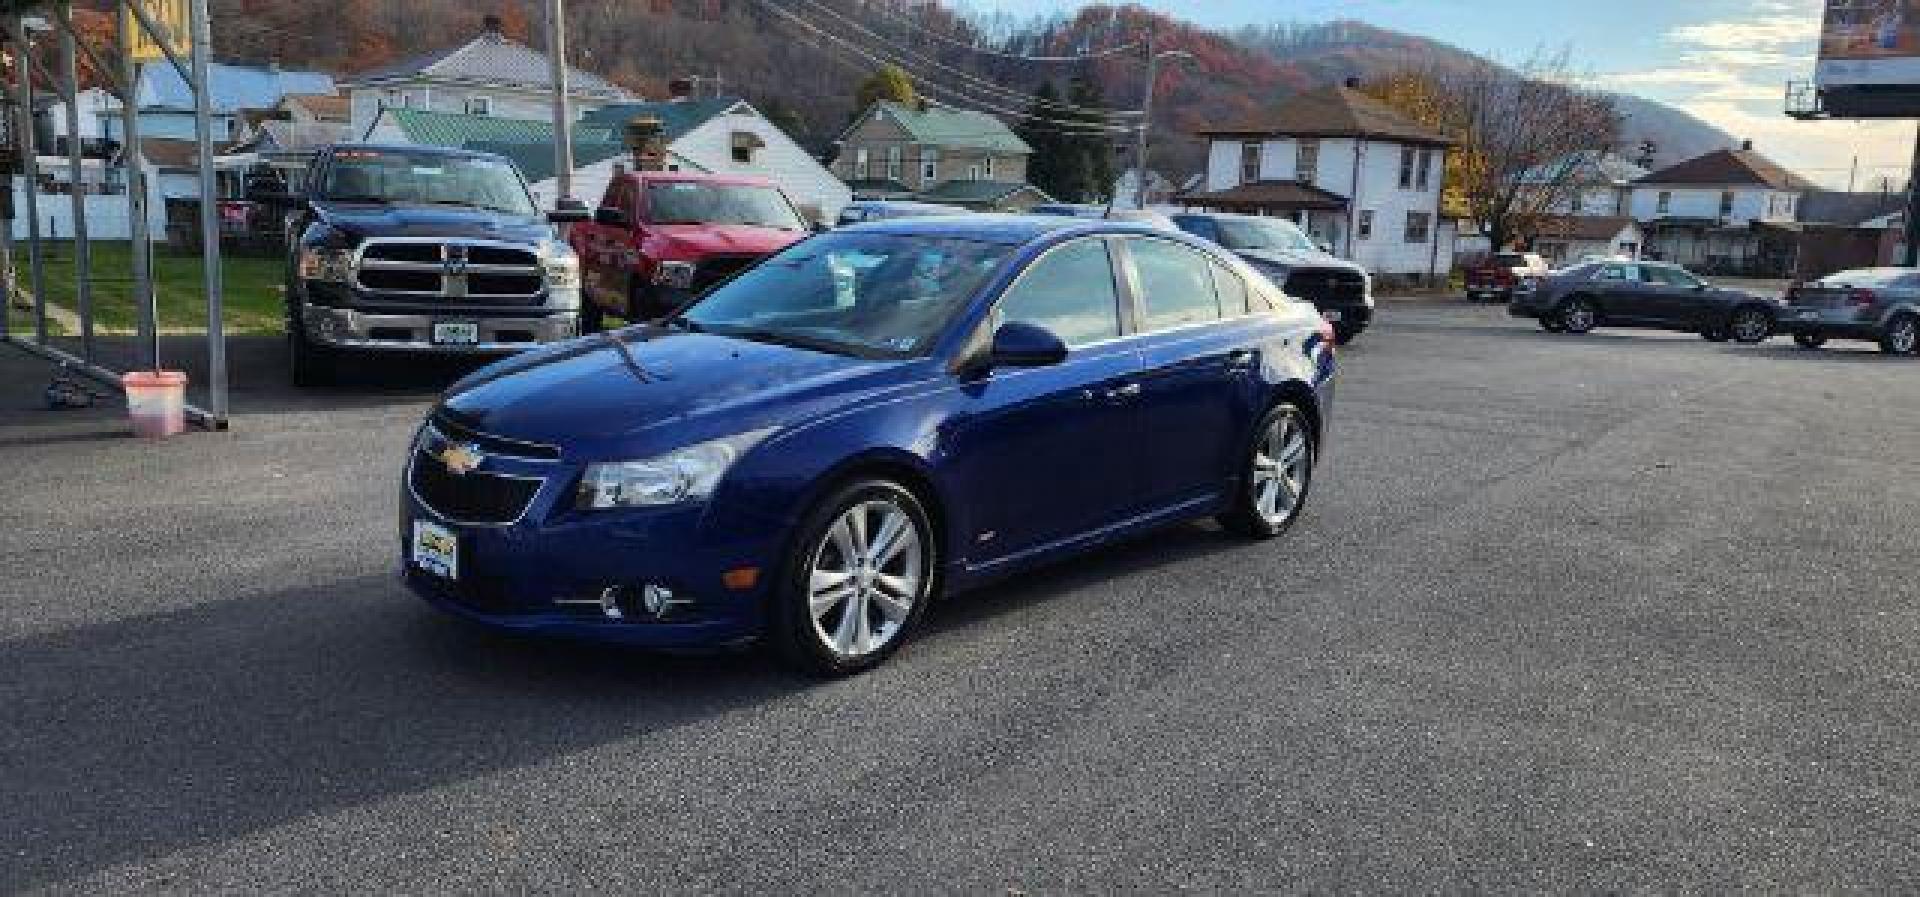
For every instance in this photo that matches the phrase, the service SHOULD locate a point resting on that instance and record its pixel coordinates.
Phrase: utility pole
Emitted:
(1146, 118)
(562, 113)
(1912, 253)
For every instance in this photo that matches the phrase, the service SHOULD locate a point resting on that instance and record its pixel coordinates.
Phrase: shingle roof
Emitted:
(676, 118)
(1331, 112)
(1729, 168)
(1291, 195)
(976, 192)
(326, 107)
(456, 129)
(235, 87)
(495, 59)
(943, 126)
(1587, 228)
(166, 152)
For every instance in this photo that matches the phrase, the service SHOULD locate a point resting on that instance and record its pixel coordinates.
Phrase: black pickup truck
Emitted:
(421, 249)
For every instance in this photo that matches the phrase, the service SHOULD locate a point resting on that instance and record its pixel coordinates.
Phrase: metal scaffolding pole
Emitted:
(562, 111)
(76, 186)
(30, 168)
(140, 245)
(202, 39)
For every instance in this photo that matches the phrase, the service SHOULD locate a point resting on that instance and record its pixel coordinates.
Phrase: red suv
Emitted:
(660, 238)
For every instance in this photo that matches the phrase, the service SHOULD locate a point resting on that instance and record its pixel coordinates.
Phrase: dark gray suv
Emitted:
(1880, 305)
(1643, 294)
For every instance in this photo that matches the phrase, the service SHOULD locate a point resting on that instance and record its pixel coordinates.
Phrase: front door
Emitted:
(1048, 454)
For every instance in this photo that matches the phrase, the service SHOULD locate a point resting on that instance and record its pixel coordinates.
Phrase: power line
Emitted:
(883, 12)
(986, 86)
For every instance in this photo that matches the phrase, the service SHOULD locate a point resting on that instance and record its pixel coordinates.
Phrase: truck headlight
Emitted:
(682, 475)
(674, 274)
(329, 265)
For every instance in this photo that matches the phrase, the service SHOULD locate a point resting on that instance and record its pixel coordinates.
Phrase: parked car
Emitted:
(1497, 277)
(1341, 290)
(814, 451)
(884, 209)
(1643, 294)
(1880, 305)
(420, 249)
(659, 238)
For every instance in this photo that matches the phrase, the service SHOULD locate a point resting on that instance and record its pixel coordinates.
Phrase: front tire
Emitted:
(1278, 474)
(308, 364)
(858, 580)
(1902, 336)
(1750, 325)
(1579, 315)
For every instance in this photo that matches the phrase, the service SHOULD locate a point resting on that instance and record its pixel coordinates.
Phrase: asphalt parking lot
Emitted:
(1623, 611)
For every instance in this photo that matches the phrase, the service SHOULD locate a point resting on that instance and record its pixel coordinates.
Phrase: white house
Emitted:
(723, 135)
(1568, 238)
(491, 74)
(1728, 211)
(1358, 175)
(1589, 183)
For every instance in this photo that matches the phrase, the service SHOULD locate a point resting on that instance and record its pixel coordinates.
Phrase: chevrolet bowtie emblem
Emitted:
(461, 459)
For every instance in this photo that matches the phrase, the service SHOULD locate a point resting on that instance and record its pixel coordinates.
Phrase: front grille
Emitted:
(472, 497)
(716, 268)
(1327, 286)
(447, 426)
(460, 271)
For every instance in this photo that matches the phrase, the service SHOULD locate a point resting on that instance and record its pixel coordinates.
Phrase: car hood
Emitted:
(1291, 260)
(363, 220)
(696, 240)
(668, 389)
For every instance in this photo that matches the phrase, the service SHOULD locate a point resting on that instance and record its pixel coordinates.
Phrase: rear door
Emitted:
(1629, 297)
(1199, 348)
(1684, 300)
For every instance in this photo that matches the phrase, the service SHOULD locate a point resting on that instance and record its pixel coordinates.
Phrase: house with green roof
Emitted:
(937, 154)
(718, 135)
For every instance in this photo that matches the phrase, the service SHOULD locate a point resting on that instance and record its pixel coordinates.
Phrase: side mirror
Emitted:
(569, 211)
(1018, 344)
(610, 216)
(821, 227)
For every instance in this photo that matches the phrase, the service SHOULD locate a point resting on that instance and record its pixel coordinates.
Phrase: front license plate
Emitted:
(455, 333)
(436, 549)
(1333, 314)
(1809, 316)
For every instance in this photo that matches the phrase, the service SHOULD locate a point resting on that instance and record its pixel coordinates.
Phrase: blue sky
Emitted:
(1726, 61)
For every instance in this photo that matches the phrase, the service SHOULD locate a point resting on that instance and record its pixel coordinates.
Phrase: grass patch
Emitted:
(251, 296)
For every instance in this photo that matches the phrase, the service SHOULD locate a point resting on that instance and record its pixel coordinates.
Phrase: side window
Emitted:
(1204, 228)
(1069, 291)
(1234, 298)
(1176, 284)
(1614, 273)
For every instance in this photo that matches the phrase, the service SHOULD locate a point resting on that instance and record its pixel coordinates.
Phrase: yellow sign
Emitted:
(168, 14)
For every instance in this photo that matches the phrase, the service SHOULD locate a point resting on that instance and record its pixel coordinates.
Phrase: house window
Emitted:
(1250, 162)
(929, 165)
(973, 172)
(893, 163)
(1363, 229)
(1577, 202)
(1425, 175)
(1726, 204)
(1407, 160)
(745, 144)
(860, 163)
(1419, 226)
(1665, 204)
(479, 105)
(988, 163)
(1306, 168)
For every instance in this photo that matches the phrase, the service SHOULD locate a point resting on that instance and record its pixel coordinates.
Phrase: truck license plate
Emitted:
(455, 333)
(436, 549)
(1334, 315)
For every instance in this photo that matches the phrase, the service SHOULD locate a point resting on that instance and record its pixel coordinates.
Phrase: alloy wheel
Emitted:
(1579, 316)
(1281, 466)
(865, 577)
(1751, 326)
(1903, 335)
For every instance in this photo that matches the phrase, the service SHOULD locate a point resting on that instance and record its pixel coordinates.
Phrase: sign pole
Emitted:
(76, 185)
(201, 29)
(1912, 253)
(562, 114)
(139, 243)
(30, 168)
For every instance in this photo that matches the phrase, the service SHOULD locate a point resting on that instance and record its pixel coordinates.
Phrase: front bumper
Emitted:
(545, 573)
(350, 328)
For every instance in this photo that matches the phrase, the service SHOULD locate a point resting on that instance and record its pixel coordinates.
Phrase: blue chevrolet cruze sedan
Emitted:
(813, 452)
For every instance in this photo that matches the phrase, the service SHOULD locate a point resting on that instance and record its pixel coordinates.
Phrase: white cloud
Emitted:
(1778, 30)
(1820, 151)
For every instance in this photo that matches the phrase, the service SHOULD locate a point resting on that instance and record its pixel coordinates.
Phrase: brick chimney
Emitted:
(1746, 145)
(680, 90)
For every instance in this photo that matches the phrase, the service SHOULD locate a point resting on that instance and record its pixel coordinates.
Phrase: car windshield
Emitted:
(1284, 236)
(691, 202)
(398, 176)
(867, 294)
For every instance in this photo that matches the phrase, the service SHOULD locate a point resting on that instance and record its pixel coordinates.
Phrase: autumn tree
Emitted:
(1516, 131)
(891, 83)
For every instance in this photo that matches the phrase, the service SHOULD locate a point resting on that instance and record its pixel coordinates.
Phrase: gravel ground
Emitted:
(1619, 612)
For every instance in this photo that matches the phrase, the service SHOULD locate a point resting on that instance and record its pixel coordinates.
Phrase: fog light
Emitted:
(657, 599)
(610, 603)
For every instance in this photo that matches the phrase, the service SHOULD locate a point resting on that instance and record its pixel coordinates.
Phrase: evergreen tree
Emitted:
(1094, 151)
(1048, 165)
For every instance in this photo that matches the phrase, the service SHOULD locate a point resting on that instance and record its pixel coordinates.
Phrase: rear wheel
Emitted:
(1809, 340)
(1903, 334)
(1278, 474)
(1750, 325)
(308, 364)
(859, 579)
(1579, 315)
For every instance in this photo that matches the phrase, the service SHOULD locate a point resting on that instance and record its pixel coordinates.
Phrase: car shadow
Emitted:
(1852, 353)
(138, 738)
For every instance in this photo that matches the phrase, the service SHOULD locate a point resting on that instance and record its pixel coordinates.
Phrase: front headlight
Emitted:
(683, 475)
(330, 265)
(674, 274)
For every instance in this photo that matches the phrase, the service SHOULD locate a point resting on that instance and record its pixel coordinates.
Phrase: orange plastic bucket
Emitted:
(156, 402)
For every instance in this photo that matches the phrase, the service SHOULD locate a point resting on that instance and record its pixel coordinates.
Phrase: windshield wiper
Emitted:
(785, 338)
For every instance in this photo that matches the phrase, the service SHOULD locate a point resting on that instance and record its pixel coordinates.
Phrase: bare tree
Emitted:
(1524, 134)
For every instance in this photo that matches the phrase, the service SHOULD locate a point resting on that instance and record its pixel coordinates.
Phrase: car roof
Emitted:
(1008, 229)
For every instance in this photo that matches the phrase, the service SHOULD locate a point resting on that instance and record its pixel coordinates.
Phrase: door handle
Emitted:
(1124, 391)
